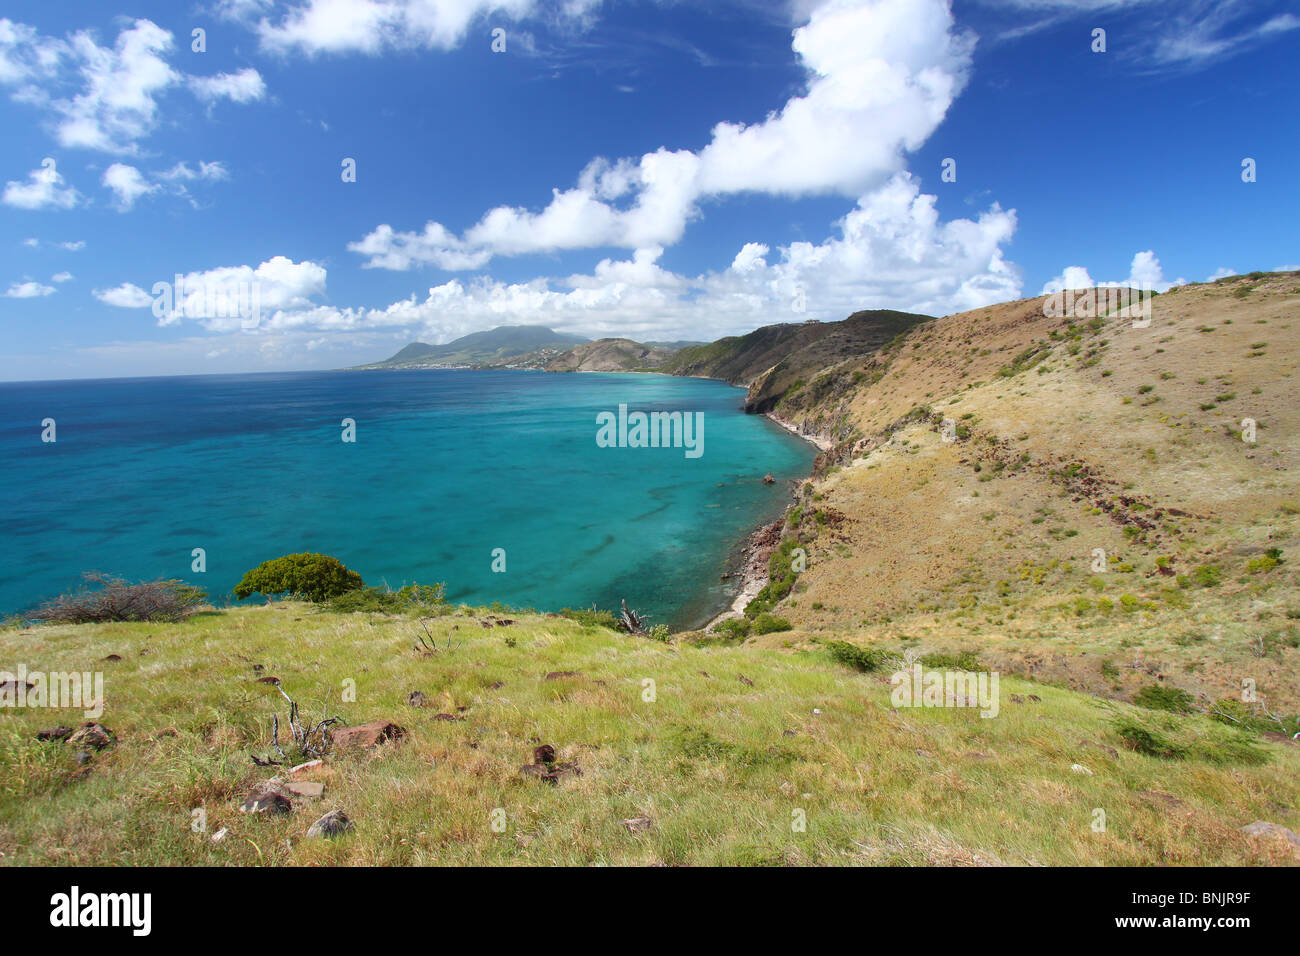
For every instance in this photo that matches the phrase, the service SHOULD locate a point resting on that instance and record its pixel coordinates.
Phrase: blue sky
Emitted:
(659, 170)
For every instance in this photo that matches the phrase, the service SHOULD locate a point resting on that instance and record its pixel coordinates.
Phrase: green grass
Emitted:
(719, 746)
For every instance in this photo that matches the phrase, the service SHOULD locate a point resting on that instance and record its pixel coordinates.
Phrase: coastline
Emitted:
(757, 547)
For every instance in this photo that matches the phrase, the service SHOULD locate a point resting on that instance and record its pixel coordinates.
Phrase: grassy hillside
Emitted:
(493, 347)
(1070, 437)
(723, 756)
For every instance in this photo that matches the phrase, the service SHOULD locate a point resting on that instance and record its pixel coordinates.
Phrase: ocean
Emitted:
(451, 472)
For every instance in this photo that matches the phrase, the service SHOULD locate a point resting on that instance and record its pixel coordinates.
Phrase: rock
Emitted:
(1263, 828)
(561, 770)
(83, 758)
(505, 622)
(306, 789)
(544, 754)
(1080, 768)
(416, 698)
(54, 733)
(768, 479)
(266, 802)
(269, 680)
(496, 685)
(306, 766)
(638, 824)
(112, 657)
(93, 735)
(332, 824)
(560, 675)
(744, 680)
(447, 717)
(366, 735)
(220, 835)
(533, 770)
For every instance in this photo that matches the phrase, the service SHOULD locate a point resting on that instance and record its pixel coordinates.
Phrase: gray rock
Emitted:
(1264, 828)
(332, 824)
(266, 802)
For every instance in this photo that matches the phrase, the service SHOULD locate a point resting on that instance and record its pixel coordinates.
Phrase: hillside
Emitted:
(481, 349)
(665, 754)
(776, 358)
(1070, 436)
(609, 355)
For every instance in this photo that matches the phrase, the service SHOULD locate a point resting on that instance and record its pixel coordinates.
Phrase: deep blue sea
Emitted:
(446, 467)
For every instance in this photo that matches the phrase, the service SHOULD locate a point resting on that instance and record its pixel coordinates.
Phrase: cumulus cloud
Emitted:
(124, 296)
(242, 87)
(28, 290)
(61, 277)
(113, 90)
(880, 76)
(1145, 272)
(127, 185)
(44, 187)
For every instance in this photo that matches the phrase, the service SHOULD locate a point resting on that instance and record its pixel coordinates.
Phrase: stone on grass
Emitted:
(266, 802)
(330, 825)
(366, 735)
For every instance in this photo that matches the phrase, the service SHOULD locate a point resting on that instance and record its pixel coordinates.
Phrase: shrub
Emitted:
(962, 660)
(780, 576)
(859, 658)
(316, 577)
(1160, 697)
(592, 618)
(412, 599)
(769, 624)
(1150, 742)
(118, 600)
(736, 628)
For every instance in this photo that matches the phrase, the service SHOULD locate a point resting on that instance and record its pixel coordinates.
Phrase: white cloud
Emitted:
(127, 185)
(242, 87)
(116, 104)
(124, 296)
(44, 187)
(182, 171)
(61, 277)
(1221, 273)
(881, 75)
(370, 26)
(75, 245)
(28, 290)
(31, 243)
(1145, 272)
(891, 251)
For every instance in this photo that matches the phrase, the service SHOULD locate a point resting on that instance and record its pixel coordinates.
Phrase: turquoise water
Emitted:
(446, 467)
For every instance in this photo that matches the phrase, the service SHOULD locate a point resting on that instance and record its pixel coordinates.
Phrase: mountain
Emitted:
(494, 347)
(775, 358)
(609, 355)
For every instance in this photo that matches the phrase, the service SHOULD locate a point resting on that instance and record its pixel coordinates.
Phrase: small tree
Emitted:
(316, 577)
(115, 599)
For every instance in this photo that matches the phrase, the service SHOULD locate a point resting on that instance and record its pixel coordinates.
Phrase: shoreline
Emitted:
(757, 546)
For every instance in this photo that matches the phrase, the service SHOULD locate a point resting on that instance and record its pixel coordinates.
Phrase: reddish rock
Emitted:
(366, 735)
(93, 735)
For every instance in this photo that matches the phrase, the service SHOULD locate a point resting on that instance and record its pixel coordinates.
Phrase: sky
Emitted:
(332, 179)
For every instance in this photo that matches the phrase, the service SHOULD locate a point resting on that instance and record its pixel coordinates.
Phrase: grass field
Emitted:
(726, 752)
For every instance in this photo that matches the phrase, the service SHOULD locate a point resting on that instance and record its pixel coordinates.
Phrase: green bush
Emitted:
(736, 628)
(1151, 743)
(859, 658)
(592, 618)
(962, 661)
(770, 624)
(1161, 697)
(412, 599)
(316, 577)
(780, 578)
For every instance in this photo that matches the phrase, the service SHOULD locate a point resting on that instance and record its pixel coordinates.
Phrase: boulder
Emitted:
(1264, 828)
(364, 736)
(93, 735)
(330, 825)
(54, 733)
(266, 802)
